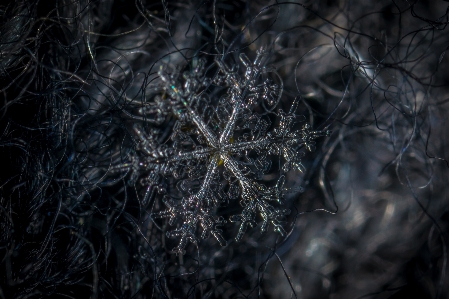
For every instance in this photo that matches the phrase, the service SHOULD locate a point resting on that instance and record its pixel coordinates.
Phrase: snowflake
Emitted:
(219, 149)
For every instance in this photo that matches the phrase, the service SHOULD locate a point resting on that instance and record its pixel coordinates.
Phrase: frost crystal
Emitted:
(219, 149)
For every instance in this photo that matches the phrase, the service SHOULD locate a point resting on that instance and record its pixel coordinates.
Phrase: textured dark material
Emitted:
(224, 149)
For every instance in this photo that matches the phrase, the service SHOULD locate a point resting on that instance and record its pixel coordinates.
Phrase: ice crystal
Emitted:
(220, 148)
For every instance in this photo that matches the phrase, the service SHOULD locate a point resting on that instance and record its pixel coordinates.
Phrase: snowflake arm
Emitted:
(254, 199)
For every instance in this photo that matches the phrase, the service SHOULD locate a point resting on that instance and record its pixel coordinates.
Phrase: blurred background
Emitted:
(369, 215)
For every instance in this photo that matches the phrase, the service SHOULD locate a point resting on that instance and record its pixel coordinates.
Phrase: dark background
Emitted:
(370, 222)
